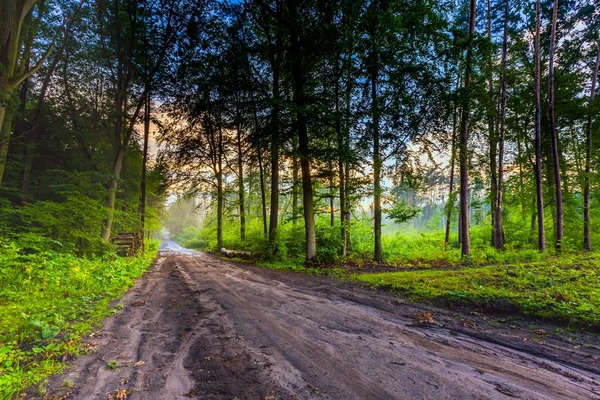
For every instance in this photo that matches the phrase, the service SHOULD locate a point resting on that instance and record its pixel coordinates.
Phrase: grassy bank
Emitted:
(48, 301)
(564, 290)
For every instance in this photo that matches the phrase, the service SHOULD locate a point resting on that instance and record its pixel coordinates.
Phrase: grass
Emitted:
(564, 290)
(48, 302)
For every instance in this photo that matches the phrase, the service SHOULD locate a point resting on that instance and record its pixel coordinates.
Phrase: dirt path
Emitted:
(202, 327)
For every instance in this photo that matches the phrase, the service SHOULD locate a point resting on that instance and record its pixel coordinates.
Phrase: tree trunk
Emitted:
(450, 204)
(295, 185)
(263, 197)
(241, 185)
(5, 134)
(464, 140)
(147, 111)
(220, 198)
(587, 245)
(498, 231)
(301, 126)
(12, 20)
(538, 133)
(558, 236)
(341, 159)
(112, 193)
(377, 163)
(491, 131)
(275, 126)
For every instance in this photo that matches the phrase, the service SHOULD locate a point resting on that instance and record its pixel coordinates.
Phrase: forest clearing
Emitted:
(265, 199)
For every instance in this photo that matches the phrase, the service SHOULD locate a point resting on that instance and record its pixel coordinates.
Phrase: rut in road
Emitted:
(197, 326)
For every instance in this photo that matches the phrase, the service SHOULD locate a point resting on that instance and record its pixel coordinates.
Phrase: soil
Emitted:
(198, 326)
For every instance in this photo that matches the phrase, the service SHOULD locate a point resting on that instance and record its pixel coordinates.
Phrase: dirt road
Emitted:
(197, 326)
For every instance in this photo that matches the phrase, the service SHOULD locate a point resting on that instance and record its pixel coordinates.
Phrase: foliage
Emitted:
(48, 300)
(402, 212)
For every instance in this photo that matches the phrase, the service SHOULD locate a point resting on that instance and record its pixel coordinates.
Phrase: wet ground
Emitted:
(198, 326)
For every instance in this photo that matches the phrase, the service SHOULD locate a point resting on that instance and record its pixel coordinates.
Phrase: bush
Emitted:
(49, 300)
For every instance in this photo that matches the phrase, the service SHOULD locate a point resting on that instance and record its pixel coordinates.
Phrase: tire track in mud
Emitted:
(208, 328)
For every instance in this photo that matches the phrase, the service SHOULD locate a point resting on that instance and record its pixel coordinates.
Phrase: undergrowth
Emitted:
(48, 301)
(565, 290)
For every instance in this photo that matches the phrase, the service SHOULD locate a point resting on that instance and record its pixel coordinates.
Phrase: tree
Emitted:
(558, 223)
(587, 245)
(33, 131)
(538, 131)
(14, 71)
(464, 138)
(498, 231)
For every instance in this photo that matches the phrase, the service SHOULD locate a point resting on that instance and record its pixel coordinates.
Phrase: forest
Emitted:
(327, 137)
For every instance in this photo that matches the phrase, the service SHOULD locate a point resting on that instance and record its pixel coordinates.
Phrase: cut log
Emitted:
(234, 253)
(127, 244)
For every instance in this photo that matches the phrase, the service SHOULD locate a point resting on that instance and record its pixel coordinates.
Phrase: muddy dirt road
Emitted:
(197, 326)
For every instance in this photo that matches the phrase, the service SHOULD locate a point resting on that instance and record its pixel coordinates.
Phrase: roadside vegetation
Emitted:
(562, 290)
(49, 300)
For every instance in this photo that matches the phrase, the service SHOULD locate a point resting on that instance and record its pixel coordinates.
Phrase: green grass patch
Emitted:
(330, 271)
(48, 301)
(565, 290)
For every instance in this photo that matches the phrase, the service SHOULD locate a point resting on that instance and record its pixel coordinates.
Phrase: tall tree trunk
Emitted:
(377, 162)
(241, 184)
(491, 131)
(5, 137)
(498, 231)
(347, 125)
(554, 135)
(331, 197)
(295, 185)
(220, 198)
(263, 197)
(301, 126)
(464, 140)
(14, 16)
(143, 190)
(450, 204)
(587, 245)
(275, 126)
(538, 132)
(112, 193)
(341, 158)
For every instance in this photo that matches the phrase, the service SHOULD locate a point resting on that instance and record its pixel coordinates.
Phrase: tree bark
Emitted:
(296, 51)
(538, 133)
(295, 185)
(377, 162)
(450, 204)
(263, 197)
(587, 245)
(12, 16)
(275, 126)
(558, 236)
(241, 184)
(220, 199)
(143, 181)
(491, 131)
(341, 158)
(498, 231)
(112, 193)
(464, 139)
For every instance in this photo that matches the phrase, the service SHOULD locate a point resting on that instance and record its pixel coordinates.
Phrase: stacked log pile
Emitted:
(128, 244)
(235, 253)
